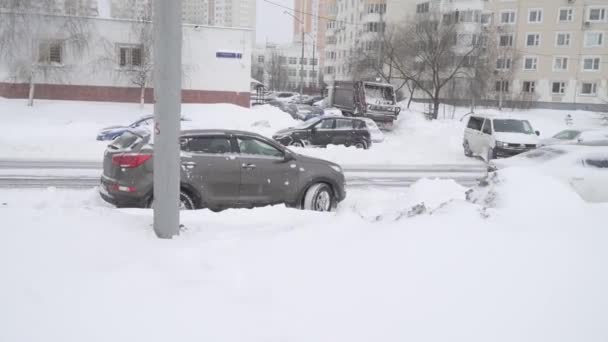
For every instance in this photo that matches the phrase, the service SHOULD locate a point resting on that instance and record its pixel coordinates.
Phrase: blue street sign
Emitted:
(222, 54)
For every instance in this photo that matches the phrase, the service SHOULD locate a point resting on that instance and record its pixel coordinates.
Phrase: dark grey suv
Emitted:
(327, 130)
(222, 169)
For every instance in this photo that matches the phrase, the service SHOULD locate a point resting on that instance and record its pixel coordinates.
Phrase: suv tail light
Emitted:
(130, 160)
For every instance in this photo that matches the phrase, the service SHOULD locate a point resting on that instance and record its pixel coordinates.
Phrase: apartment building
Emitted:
(225, 13)
(279, 67)
(561, 50)
(355, 25)
(311, 18)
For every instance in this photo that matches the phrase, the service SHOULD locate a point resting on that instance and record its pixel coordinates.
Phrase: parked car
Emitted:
(584, 167)
(302, 111)
(327, 130)
(283, 96)
(222, 169)
(113, 132)
(492, 137)
(575, 136)
(375, 132)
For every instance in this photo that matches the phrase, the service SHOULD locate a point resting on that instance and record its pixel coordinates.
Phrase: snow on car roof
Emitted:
(499, 116)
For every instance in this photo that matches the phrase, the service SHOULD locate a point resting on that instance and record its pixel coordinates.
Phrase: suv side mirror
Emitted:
(537, 132)
(288, 157)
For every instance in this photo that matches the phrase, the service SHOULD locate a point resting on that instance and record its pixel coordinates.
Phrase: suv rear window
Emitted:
(126, 140)
(210, 145)
(475, 123)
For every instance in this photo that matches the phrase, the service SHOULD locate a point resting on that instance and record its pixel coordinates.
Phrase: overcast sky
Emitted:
(272, 24)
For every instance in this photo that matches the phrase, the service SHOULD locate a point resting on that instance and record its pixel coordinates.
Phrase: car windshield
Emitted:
(544, 154)
(376, 94)
(307, 123)
(142, 121)
(513, 126)
(567, 135)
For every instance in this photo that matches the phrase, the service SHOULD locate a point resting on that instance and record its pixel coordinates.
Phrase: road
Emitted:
(85, 174)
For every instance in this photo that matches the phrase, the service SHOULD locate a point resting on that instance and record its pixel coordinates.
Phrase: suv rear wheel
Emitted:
(319, 197)
(297, 143)
(185, 201)
(361, 145)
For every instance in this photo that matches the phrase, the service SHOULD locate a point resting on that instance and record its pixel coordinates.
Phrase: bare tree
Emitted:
(430, 53)
(374, 59)
(276, 69)
(38, 41)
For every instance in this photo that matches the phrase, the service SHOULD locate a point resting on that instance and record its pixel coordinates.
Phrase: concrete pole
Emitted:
(167, 111)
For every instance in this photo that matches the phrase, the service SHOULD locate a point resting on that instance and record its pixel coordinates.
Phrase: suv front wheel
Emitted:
(319, 197)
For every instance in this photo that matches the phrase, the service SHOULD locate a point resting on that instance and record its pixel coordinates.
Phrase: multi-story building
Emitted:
(225, 13)
(561, 50)
(281, 67)
(351, 25)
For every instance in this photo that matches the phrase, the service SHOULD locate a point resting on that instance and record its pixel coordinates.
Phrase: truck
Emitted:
(367, 99)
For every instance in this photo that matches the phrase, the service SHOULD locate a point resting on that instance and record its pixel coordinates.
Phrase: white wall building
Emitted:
(216, 63)
(290, 57)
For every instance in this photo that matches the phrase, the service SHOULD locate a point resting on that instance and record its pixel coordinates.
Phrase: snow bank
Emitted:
(74, 270)
(67, 130)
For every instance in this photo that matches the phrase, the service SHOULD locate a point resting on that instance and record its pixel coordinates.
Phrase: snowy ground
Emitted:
(75, 269)
(66, 130)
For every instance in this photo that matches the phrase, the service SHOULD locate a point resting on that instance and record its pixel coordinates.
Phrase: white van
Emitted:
(491, 136)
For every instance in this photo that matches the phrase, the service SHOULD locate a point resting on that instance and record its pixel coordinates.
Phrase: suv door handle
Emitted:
(189, 165)
(249, 166)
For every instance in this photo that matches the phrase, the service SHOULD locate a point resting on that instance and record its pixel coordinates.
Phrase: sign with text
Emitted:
(225, 54)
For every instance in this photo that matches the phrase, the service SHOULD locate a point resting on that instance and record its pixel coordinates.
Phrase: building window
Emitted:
(566, 15)
(50, 52)
(260, 59)
(486, 19)
(591, 63)
(558, 88)
(505, 40)
(282, 60)
(597, 14)
(502, 86)
(562, 39)
(507, 17)
(312, 74)
(303, 61)
(594, 39)
(589, 89)
(528, 87)
(530, 63)
(314, 61)
(423, 7)
(503, 64)
(291, 72)
(535, 16)
(129, 56)
(533, 39)
(293, 60)
(560, 64)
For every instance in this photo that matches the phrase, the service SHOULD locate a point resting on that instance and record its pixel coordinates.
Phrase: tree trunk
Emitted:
(436, 105)
(412, 90)
(30, 101)
(142, 97)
